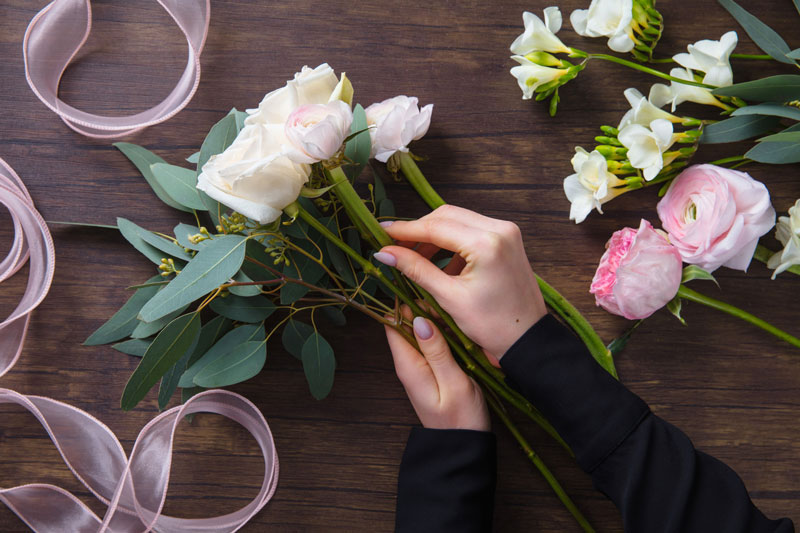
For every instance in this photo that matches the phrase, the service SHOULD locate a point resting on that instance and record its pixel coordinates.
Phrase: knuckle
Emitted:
(443, 210)
(491, 242)
(511, 231)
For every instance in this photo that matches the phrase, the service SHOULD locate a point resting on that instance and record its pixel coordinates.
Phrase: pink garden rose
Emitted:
(714, 216)
(317, 131)
(638, 274)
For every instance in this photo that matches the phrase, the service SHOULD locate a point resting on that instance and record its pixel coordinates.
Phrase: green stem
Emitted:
(763, 254)
(732, 159)
(417, 180)
(694, 296)
(540, 466)
(642, 68)
(356, 208)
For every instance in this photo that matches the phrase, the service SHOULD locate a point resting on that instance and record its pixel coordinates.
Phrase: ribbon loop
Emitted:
(56, 34)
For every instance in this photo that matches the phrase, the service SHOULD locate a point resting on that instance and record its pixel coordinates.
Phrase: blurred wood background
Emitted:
(732, 388)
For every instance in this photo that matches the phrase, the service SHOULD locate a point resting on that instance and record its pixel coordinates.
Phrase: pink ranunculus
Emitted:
(638, 274)
(317, 131)
(714, 216)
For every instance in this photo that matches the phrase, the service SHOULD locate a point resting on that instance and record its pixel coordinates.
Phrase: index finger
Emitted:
(444, 233)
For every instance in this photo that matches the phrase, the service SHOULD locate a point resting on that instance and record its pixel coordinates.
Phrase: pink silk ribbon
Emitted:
(134, 488)
(56, 34)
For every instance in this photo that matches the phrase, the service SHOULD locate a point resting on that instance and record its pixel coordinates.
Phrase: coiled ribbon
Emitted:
(134, 488)
(58, 31)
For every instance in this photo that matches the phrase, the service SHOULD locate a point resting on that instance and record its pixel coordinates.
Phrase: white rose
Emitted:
(646, 146)
(787, 230)
(677, 93)
(606, 18)
(394, 123)
(591, 186)
(711, 57)
(540, 35)
(252, 176)
(531, 75)
(309, 86)
(643, 111)
(317, 131)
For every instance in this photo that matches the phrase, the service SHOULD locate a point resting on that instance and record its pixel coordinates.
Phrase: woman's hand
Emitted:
(488, 288)
(443, 396)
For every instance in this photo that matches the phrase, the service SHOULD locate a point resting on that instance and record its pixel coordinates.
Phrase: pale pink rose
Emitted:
(395, 123)
(714, 216)
(317, 131)
(638, 274)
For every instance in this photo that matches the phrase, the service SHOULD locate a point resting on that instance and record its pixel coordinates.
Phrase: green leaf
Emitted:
(240, 117)
(335, 315)
(794, 54)
(169, 383)
(617, 345)
(295, 334)
(781, 88)
(354, 241)
(221, 348)
(256, 251)
(765, 37)
(143, 158)
(738, 128)
(150, 244)
(291, 292)
(774, 110)
(253, 309)
(695, 272)
(776, 153)
(124, 321)
(242, 363)
(378, 191)
(244, 290)
(674, 307)
(210, 333)
(358, 148)
(180, 183)
(310, 270)
(212, 266)
(784, 136)
(319, 365)
(135, 347)
(797, 5)
(168, 347)
(213, 207)
(146, 329)
(220, 136)
(340, 263)
(194, 158)
(183, 232)
(386, 209)
(305, 192)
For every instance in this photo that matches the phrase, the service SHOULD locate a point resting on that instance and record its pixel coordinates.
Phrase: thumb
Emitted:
(434, 347)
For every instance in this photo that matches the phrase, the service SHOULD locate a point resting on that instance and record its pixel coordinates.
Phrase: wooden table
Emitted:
(733, 389)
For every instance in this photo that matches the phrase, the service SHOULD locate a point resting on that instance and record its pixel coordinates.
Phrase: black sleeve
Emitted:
(648, 467)
(446, 481)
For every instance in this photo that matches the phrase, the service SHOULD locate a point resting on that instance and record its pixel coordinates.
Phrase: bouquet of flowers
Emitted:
(711, 214)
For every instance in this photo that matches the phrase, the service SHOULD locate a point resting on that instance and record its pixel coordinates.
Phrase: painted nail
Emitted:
(387, 223)
(422, 328)
(385, 258)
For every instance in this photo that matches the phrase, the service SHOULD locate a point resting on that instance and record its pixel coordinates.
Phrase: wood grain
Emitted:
(733, 389)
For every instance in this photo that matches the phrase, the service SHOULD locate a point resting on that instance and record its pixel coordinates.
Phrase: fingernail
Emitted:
(422, 328)
(385, 258)
(387, 223)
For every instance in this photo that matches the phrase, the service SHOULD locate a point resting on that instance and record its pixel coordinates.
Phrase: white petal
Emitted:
(662, 129)
(621, 42)
(686, 60)
(578, 19)
(661, 94)
(552, 18)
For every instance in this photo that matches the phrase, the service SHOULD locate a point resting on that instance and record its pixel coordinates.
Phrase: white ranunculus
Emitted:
(677, 93)
(252, 176)
(643, 111)
(540, 35)
(530, 75)
(711, 57)
(394, 123)
(591, 185)
(309, 86)
(316, 131)
(646, 146)
(607, 18)
(787, 230)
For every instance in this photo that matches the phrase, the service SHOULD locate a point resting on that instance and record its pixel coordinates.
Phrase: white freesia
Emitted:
(607, 18)
(711, 57)
(677, 93)
(646, 146)
(787, 230)
(316, 131)
(591, 185)
(531, 75)
(252, 176)
(394, 123)
(540, 35)
(643, 111)
(309, 86)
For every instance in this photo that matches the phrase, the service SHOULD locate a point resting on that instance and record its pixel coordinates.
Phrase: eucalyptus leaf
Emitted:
(221, 348)
(335, 315)
(774, 110)
(136, 235)
(214, 265)
(124, 321)
(210, 333)
(240, 118)
(353, 239)
(309, 269)
(765, 37)
(784, 136)
(794, 54)
(340, 263)
(184, 231)
(378, 190)
(695, 272)
(291, 292)
(142, 158)
(168, 347)
(147, 329)
(252, 309)
(295, 334)
(213, 207)
(180, 183)
(780, 88)
(776, 153)
(240, 364)
(319, 365)
(169, 383)
(674, 307)
(194, 158)
(738, 128)
(220, 136)
(244, 290)
(386, 209)
(256, 256)
(358, 148)
(134, 347)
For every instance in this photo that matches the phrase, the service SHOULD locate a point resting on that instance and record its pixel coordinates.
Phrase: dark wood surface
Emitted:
(733, 389)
